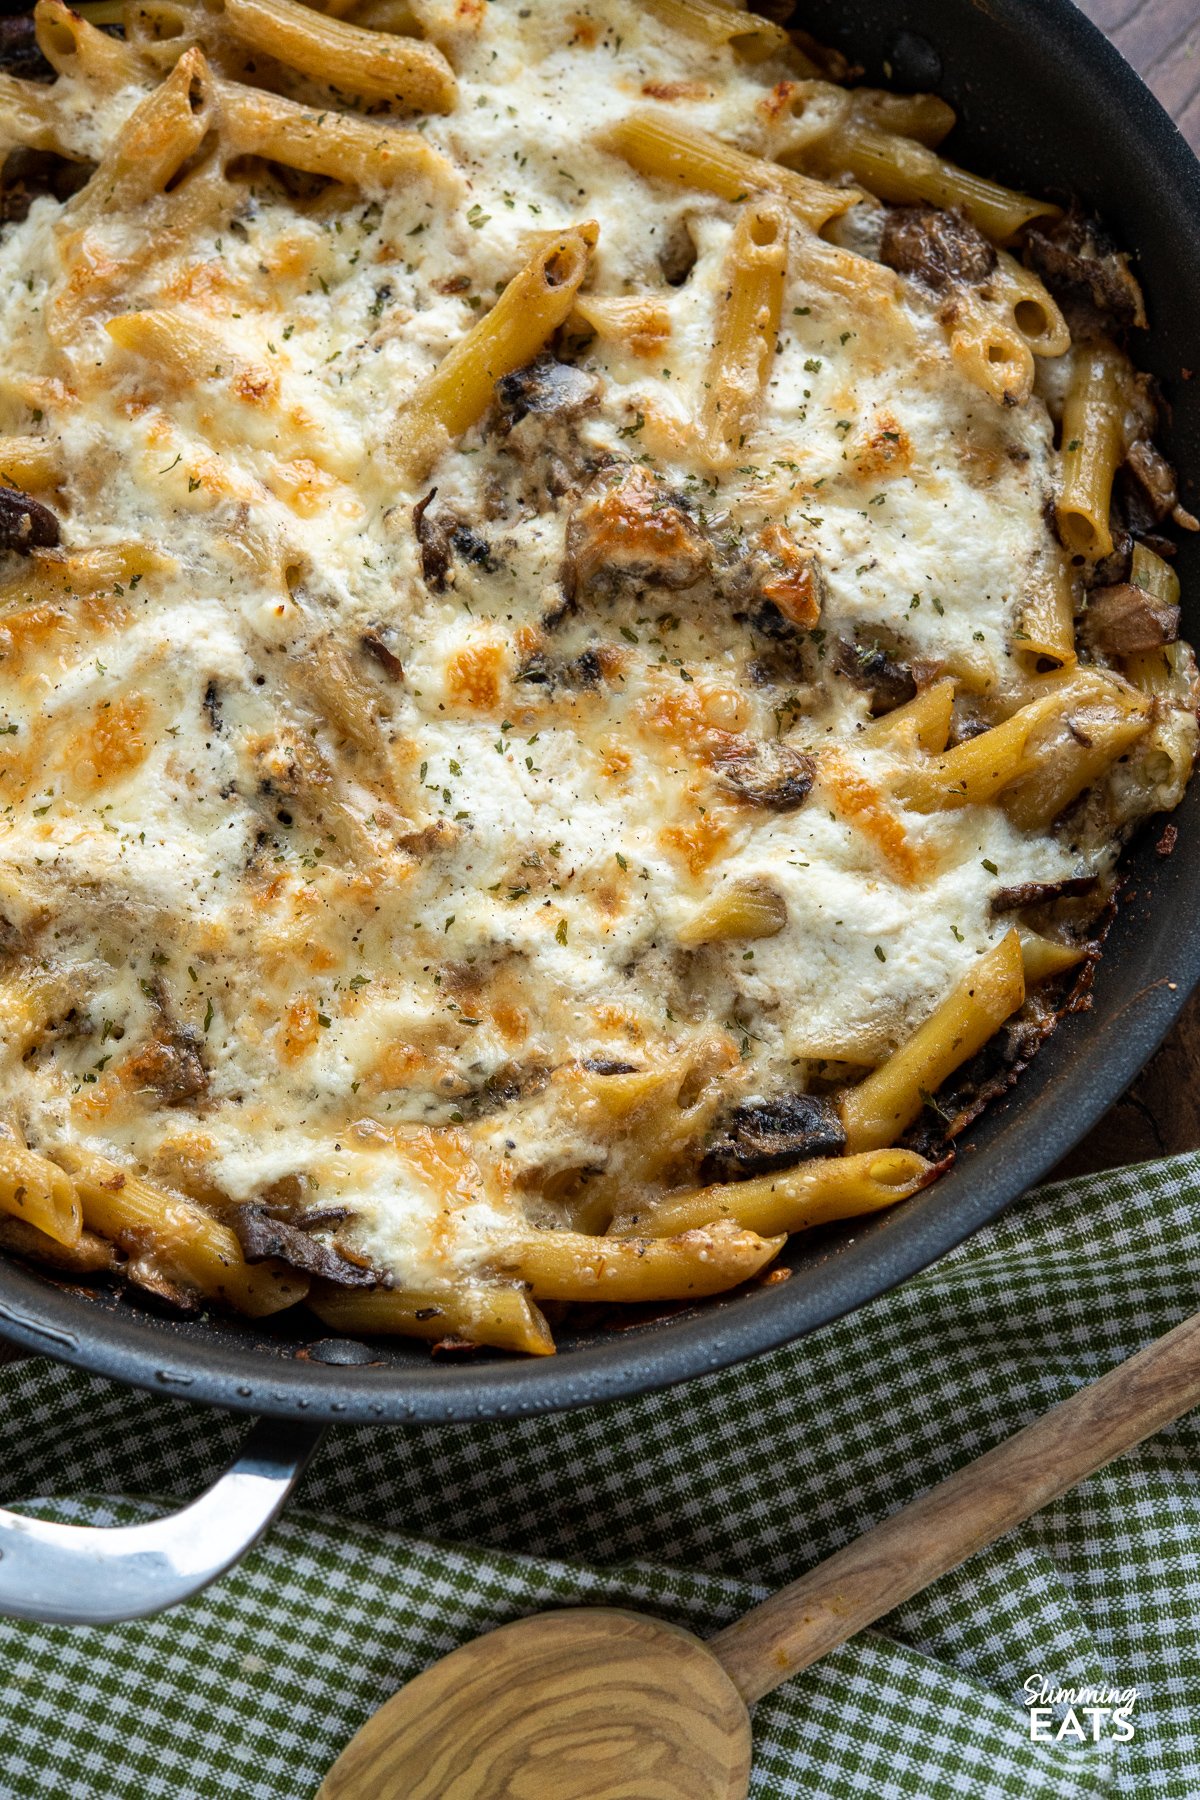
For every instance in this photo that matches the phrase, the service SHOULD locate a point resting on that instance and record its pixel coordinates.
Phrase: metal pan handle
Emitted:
(92, 1575)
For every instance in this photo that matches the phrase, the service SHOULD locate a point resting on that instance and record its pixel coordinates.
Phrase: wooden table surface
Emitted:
(1161, 1111)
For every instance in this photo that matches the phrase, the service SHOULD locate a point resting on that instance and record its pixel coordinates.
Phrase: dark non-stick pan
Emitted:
(1047, 104)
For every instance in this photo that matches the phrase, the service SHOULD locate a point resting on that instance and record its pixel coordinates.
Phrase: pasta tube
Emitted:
(371, 63)
(813, 1193)
(504, 1318)
(571, 1265)
(1042, 957)
(898, 169)
(357, 151)
(56, 574)
(978, 769)
(1046, 626)
(73, 46)
(920, 724)
(747, 330)
(752, 37)
(187, 1243)
(886, 1103)
(36, 1190)
(661, 149)
(153, 143)
(1083, 747)
(533, 305)
(29, 462)
(1093, 444)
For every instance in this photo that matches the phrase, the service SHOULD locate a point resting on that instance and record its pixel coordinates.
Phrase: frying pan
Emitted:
(1047, 104)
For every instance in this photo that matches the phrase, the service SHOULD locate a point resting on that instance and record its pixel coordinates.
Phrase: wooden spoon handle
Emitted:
(971, 1508)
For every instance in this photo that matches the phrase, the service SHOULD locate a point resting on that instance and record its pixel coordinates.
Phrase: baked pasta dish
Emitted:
(583, 619)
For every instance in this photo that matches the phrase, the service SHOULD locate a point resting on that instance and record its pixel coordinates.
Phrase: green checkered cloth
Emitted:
(691, 1504)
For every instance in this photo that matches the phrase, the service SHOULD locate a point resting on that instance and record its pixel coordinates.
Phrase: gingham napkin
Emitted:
(691, 1504)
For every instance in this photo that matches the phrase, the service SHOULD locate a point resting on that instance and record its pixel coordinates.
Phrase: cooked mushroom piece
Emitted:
(263, 1237)
(1085, 271)
(873, 669)
(374, 642)
(1123, 620)
(940, 249)
(170, 1067)
(433, 540)
(547, 387)
(1151, 491)
(25, 524)
(20, 53)
(772, 776)
(762, 1135)
(634, 531)
(1036, 893)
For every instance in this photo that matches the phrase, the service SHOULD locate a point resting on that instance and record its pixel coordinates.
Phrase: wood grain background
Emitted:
(1161, 1111)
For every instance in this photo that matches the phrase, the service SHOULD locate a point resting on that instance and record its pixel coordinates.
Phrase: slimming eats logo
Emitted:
(1059, 1715)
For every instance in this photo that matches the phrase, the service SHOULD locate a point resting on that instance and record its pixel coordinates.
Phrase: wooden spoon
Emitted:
(599, 1704)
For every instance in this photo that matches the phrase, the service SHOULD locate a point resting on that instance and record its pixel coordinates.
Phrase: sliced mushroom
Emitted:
(263, 1237)
(547, 387)
(1085, 272)
(1151, 491)
(1036, 893)
(374, 642)
(20, 53)
(25, 175)
(634, 531)
(873, 669)
(763, 1135)
(170, 1066)
(1123, 620)
(939, 249)
(772, 776)
(25, 524)
(433, 540)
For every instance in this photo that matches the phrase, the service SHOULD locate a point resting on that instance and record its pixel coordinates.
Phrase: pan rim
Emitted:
(1075, 1087)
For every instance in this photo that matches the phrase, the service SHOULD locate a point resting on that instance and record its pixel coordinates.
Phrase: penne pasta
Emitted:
(889, 1100)
(30, 116)
(1046, 625)
(373, 64)
(29, 463)
(369, 155)
(153, 144)
(751, 36)
(920, 724)
(900, 170)
(640, 323)
(1042, 957)
(534, 304)
(36, 1191)
(187, 1243)
(503, 1318)
(74, 46)
(185, 352)
(982, 767)
(747, 330)
(53, 575)
(990, 351)
(570, 1265)
(748, 908)
(662, 150)
(1093, 446)
(1082, 746)
(813, 1193)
